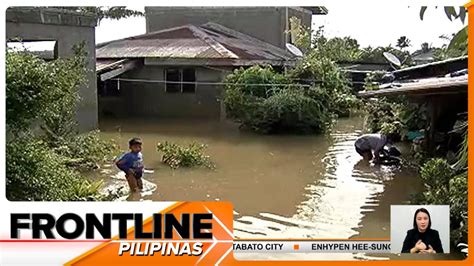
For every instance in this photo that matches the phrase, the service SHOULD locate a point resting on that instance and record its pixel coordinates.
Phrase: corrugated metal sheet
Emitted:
(209, 41)
(107, 64)
(244, 46)
(180, 48)
(444, 85)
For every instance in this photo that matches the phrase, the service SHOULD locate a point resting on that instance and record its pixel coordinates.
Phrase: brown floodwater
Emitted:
(281, 186)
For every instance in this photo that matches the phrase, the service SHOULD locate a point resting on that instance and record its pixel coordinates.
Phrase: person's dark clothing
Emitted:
(372, 143)
(430, 237)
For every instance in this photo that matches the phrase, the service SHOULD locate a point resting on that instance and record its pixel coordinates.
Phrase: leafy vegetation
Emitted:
(344, 49)
(403, 42)
(305, 99)
(87, 151)
(456, 46)
(458, 43)
(446, 186)
(450, 12)
(35, 172)
(338, 49)
(186, 156)
(280, 108)
(44, 149)
(322, 72)
(375, 55)
(395, 116)
(372, 80)
(115, 12)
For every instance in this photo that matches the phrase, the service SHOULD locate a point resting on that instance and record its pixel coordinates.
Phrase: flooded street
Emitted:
(281, 186)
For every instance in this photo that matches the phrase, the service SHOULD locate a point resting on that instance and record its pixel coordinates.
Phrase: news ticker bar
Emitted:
(311, 246)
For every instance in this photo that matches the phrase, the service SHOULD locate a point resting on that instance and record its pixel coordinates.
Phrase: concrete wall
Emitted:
(67, 29)
(265, 23)
(151, 100)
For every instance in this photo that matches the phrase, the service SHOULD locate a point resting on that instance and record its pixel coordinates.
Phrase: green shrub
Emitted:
(435, 175)
(380, 112)
(373, 80)
(320, 71)
(394, 128)
(87, 150)
(46, 94)
(35, 172)
(274, 109)
(38, 90)
(375, 55)
(458, 206)
(394, 116)
(187, 156)
(443, 186)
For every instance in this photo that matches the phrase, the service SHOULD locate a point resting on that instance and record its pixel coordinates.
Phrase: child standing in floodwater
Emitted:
(132, 164)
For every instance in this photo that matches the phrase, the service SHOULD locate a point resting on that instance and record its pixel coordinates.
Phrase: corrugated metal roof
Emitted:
(181, 48)
(444, 85)
(434, 69)
(208, 41)
(437, 63)
(106, 64)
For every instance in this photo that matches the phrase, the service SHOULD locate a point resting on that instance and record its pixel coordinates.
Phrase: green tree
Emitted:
(458, 43)
(252, 100)
(339, 49)
(115, 12)
(41, 99)
(375, 55)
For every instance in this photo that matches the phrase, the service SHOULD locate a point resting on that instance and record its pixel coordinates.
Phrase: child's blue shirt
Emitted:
(132, 161)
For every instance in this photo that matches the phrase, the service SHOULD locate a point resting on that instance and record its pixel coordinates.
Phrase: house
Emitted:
(64, 29)
(268, 24)
(357, 71)
(177, 72)
(441, 85)
(420, 57)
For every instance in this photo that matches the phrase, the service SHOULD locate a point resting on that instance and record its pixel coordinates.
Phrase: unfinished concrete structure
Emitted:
(269, 24)
(67, 28)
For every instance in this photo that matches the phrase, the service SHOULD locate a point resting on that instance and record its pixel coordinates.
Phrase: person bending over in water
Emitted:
(370, 146)
(132, 164)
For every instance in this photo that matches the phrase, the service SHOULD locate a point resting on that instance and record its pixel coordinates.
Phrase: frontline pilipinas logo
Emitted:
(185, 233)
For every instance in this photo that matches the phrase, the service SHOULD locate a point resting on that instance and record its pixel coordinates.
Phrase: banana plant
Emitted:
(459, 40)
(450, 12)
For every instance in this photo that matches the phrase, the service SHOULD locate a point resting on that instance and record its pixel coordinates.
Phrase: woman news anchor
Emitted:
(422, 239)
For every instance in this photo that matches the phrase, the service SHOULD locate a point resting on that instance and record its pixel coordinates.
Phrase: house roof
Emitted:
(444, 85)
(108, 64)
(434, 69)
(442, 77)
(209, 41)
(423, 56)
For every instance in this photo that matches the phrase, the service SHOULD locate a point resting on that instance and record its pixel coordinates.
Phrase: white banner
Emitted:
(312, 246)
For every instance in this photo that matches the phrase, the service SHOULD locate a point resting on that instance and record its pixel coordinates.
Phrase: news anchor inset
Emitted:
(422, 239)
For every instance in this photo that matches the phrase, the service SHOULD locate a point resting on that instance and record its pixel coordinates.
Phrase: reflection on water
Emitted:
(281, 186)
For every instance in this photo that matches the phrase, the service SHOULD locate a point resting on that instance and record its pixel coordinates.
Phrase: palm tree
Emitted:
(403, 42)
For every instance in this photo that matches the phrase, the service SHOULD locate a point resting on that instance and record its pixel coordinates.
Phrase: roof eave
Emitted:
(418, 90)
